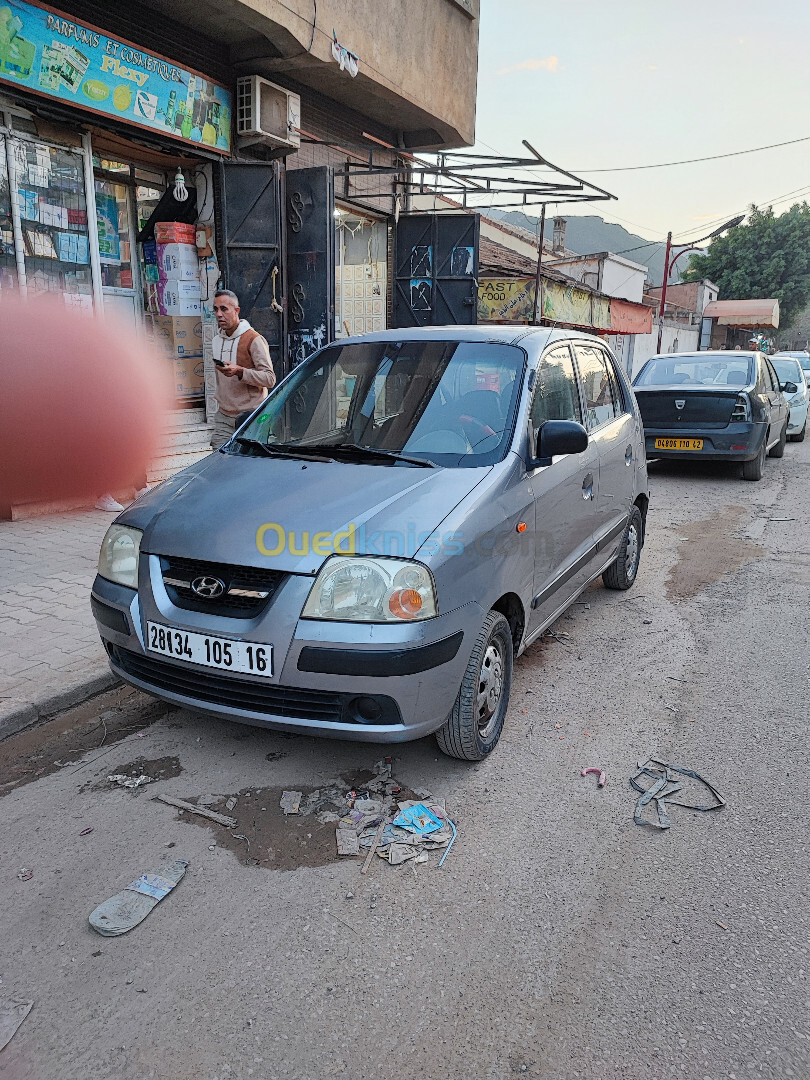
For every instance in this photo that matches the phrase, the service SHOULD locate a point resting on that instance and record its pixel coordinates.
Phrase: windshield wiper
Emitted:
(282, 451)
(372, 451)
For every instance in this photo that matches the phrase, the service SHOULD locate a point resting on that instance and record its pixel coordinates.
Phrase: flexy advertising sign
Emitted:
(46, 52)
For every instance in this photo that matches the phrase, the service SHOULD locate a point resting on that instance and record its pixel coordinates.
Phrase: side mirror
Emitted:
(789, 388)
(559, 437)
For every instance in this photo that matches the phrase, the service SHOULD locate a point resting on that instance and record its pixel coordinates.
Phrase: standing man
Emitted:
(243, 366)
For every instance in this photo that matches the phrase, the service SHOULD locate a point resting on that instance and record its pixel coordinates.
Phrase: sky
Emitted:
(594, 85)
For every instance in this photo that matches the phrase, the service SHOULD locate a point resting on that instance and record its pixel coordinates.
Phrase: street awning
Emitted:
(744, 313)
(627, 317)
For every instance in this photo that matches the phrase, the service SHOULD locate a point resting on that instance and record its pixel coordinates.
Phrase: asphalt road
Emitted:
(558, 940)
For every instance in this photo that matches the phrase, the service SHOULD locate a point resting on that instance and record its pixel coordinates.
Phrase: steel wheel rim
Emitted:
(490, 688)
(631, 553)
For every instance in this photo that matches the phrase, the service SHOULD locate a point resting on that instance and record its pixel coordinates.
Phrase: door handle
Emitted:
(587, 487)
(628, 456)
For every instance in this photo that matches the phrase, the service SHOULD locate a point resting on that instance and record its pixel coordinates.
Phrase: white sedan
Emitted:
(790, 371)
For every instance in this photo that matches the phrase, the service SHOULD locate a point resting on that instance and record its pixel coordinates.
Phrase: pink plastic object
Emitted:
(602, 778)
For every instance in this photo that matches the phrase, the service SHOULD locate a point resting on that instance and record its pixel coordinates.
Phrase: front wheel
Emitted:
(799, 436)
(473, 728)
(622, 573)
(752, 470)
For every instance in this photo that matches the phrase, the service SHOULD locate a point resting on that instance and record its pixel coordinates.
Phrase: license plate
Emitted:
(679, 444)
(216, 652)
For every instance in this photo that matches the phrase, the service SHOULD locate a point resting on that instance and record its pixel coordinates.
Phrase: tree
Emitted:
(767, 257)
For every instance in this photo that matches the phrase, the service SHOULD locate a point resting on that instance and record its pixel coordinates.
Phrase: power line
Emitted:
(692, 161)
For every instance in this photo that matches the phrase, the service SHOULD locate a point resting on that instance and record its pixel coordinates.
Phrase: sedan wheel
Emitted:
(752, 470)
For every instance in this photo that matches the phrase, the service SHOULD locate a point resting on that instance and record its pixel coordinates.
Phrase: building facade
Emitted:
(152, 151)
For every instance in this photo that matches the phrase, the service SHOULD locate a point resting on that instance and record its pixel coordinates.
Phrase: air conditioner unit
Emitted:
(266, 113)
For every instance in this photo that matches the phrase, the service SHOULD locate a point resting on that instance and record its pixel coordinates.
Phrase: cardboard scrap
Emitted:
(290, 802)
(347, 842)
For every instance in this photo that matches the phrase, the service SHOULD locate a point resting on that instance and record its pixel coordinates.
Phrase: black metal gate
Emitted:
(436, 280)
(310, 229)
(254, 267)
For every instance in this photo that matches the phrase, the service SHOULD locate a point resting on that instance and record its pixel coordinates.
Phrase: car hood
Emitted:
(290, 515)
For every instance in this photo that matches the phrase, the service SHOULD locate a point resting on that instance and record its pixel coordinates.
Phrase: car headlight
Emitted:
(118, 558)
(359, 589)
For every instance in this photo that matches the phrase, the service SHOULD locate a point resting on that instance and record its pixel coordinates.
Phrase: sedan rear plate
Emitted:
(679, 444)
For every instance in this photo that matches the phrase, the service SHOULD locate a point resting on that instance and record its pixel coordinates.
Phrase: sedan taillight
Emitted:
(742, 409)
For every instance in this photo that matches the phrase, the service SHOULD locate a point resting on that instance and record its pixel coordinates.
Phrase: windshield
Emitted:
(395, 403)
(787, 370)
(698, 369)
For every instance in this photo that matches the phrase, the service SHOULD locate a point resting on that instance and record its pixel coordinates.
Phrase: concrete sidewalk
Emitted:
(51, 656)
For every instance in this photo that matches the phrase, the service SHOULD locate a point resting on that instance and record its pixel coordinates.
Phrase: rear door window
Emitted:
(599, 385)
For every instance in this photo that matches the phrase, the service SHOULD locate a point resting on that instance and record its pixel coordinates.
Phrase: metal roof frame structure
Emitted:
(477, 181)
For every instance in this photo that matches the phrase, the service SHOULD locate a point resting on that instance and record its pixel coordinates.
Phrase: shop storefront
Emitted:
(97, 136)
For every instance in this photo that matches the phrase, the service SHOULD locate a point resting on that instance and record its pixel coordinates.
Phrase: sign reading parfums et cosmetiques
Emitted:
(48, 53)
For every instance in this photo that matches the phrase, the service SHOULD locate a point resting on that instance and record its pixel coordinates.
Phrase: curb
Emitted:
(16, 716)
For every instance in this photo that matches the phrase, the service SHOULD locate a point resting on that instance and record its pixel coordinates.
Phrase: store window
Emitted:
(50, 217)
(361, 273)
(8, 259)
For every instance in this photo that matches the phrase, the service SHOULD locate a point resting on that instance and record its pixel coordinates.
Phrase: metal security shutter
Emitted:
(252, 245)
(436, 270)
(310, 261)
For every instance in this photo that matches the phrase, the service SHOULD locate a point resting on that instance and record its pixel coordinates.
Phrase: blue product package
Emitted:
(418, 819)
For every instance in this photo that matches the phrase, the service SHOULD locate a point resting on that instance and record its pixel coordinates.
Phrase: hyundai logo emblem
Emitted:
(680, 404)
(209, 588)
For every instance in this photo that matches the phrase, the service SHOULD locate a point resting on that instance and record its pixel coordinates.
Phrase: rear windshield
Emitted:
(788, 370)
(696, 370)
(447, 402)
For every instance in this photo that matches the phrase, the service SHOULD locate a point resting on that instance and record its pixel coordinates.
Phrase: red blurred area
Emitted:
(83, 400)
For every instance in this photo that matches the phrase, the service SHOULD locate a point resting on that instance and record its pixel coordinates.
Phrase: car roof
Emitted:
(533, 337)
(724, 353)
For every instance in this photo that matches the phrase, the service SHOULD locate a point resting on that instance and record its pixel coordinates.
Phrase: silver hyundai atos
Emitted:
(401, 517)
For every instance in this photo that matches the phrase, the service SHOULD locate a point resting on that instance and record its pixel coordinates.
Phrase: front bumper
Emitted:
(370, 683)
(798, 418)
(721, 444)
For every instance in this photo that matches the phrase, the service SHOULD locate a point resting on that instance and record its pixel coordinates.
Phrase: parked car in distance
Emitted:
(804, 359)
(790, 371)
(716, 406)
(402, 516)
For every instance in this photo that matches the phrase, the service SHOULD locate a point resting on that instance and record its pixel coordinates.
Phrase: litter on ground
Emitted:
(602, 778)
(376, 823)
(181, 804)
(290, 802)
(130, 781)
(12, 1014)
(126, 909)
(666, 781)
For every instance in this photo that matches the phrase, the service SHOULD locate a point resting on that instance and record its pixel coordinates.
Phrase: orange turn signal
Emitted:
(405, 603)
(520, 527)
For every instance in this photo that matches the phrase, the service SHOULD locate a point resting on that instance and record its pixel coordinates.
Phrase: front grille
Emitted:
(221, 690)
(178, 574)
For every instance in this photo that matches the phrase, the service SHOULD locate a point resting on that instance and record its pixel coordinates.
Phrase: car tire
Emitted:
(799, 436)
(473, 728)
(622, 572)
(778, 450)
(752, 470)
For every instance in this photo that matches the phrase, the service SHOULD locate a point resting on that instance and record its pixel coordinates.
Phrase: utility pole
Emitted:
(539, 264)
(663, 293)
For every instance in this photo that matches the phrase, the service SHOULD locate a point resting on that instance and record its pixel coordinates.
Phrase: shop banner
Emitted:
(629, 318)
(48, 53)
(566, 304)
(510, 301)
(600, 306)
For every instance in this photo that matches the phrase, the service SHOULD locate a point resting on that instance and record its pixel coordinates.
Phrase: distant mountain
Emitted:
(586, 235)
